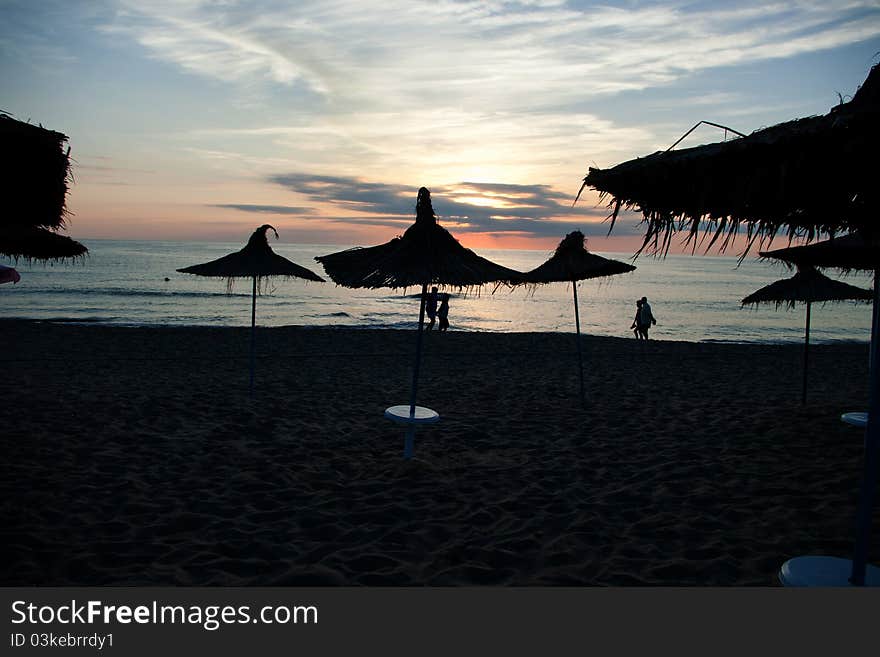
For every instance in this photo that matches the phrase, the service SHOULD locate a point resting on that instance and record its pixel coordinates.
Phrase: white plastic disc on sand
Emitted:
(400, 414)
(857, 419)
(823, 571)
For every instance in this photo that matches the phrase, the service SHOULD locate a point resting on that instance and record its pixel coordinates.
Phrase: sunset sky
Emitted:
(202, 120)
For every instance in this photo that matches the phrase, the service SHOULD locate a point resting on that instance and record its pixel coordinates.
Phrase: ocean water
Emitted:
(694, 298)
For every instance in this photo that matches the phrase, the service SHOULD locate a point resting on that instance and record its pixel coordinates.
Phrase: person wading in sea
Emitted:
(646, 318)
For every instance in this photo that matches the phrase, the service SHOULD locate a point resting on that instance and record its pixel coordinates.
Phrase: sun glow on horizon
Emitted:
(483, 201)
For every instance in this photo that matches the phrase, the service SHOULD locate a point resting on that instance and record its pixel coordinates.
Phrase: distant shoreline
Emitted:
(62, 321)
(694, 299)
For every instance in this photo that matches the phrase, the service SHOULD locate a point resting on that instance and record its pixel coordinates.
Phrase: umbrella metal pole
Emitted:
(872, 446)
(577, 324)
(411, 429)
(806, 354)
(253, 332)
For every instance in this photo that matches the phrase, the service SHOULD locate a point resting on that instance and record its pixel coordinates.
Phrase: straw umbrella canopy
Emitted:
(571, 262)
(34, 179)
(35, 243)
(257, 261)
(426, 254)
(846, 252)
(804, 177)
(806, 286)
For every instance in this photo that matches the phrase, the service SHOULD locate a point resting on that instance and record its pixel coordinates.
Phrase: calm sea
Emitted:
(694, 298)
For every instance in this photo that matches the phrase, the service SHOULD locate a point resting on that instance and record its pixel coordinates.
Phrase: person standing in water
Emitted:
(646, 318)
(443, 312)
(636, 329)
(431, 307)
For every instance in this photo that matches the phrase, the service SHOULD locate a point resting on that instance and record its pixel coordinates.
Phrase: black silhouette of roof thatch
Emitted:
(34, 181)
(846, 252)
(807, 176)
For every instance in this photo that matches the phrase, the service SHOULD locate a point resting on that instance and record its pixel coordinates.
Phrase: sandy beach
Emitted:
(134, 456)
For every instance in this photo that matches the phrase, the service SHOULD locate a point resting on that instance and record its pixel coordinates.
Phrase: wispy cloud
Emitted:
(519, 55)
(263, 209)
(505, 88)
(466, 207)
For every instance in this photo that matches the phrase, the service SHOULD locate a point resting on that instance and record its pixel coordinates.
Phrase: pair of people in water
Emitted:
(433, 312)
(643, 320)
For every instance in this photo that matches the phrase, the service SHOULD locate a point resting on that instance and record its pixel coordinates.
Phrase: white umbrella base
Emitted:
(823, 571)
(401, 415)
(856, 418)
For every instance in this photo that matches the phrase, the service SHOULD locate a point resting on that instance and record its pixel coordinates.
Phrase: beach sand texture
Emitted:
(134, 456)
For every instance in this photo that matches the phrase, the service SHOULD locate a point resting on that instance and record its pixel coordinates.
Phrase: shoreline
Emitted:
(136, 457)
(64, 321)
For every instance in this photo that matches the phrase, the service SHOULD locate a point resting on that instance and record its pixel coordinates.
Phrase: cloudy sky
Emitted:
(202, 120)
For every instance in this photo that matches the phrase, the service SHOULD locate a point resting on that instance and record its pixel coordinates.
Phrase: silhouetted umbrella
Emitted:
(257, 261)
(807, 286)
(35, 243)
(34, 176)
(425, 254)
(846, 252)
(571, 262)
(9, 275)
(809, 176)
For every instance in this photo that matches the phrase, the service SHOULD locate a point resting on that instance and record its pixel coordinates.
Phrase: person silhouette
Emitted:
(636, 324)
(646, 318)
(431, 307)
(443, 312)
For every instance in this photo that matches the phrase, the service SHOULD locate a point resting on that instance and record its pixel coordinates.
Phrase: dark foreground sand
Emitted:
(135, 457)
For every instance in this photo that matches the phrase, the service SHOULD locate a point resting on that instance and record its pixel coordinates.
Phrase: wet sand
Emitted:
(135, 456)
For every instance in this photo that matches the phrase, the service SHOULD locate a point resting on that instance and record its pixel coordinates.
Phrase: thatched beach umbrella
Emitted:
(34, 177)
(425, 254)
(571, 262)
(806, 286)
(847, 252)
(257, 261)
(804, 177)
(35, 243)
